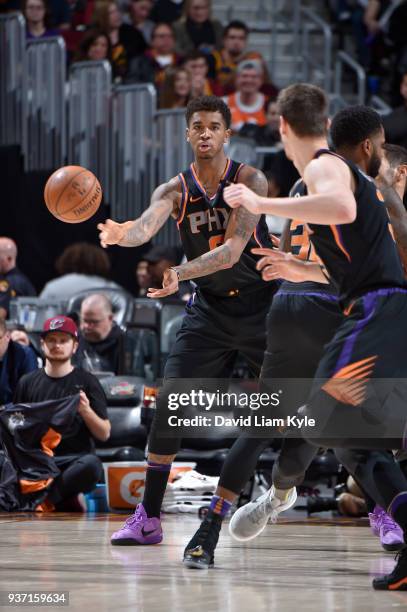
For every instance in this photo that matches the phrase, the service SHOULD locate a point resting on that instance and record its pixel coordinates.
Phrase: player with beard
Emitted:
(349, 229)
(303, 318)
(357, 135)
(80, 468)
(228, 311)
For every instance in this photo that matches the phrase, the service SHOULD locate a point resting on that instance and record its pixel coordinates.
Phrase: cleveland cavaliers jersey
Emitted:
(360, 256)
(302, 247)
(202, 222)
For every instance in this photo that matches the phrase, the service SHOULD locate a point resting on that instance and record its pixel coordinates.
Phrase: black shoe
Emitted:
(397, 580)
(200, 551)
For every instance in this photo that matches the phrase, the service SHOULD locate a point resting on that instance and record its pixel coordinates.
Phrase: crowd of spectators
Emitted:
(177, 46)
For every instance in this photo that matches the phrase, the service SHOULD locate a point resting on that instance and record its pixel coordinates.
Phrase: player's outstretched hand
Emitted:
(277, 264)
(170, 285)
(240, 195)
(110, 232)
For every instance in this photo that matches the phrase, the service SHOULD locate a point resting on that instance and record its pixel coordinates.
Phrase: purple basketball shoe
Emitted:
(138, 529)
(382, 525)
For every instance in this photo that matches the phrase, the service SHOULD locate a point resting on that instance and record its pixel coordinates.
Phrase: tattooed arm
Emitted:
(398, 220)
(241, 226)
(164, 202)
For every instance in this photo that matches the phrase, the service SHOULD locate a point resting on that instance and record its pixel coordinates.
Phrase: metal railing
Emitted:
(173, 155)
(312, 24)
(133, 142)
(12, 74)
(380, 105)
(343, 59)
(45, 142)
(281, 23)
(90, 85)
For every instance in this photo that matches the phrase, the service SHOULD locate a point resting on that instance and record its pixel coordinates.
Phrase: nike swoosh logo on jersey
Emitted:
(146, 533)
(192, 200)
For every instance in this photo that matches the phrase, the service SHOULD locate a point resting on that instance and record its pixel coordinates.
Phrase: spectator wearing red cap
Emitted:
(80, 468)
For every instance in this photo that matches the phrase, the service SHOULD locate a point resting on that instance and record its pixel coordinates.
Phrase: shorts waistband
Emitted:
(242, 292)
(383, 292)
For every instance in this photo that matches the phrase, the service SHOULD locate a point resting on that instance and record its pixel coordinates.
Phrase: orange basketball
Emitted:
(72, 194)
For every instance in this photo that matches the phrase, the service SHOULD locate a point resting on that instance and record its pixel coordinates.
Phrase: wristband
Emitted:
(176, 272)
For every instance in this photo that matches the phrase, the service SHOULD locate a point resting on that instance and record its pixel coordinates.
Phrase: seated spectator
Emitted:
(81, 266)
(94, 46)
(10, 276)
(5, 297)
(166, 11)
(36, 19)
(395, 124)
(265, 135)
(176, 89)
(139, 14)
(150, 67)
(196, 29)
(100, 337)
(21, 337)
(196, 64)
(223, 64)
(15, 361)
(74, 456)
(126, 42)
(247, 105)
(143, 278)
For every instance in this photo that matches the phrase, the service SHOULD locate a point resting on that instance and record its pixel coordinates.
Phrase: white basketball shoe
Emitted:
(250, 520)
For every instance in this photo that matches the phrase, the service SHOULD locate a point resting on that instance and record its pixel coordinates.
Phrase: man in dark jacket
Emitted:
(100, 337)
(15, 361)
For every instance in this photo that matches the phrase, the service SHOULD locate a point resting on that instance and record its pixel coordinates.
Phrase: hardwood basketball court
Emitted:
(306, 565)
